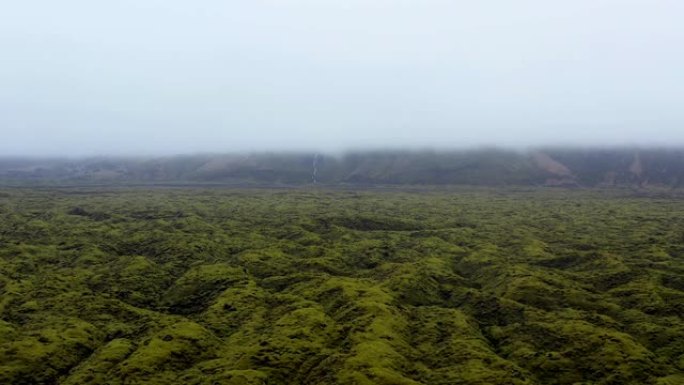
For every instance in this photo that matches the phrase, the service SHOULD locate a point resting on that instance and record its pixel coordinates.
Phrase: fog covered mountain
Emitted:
(486, 167)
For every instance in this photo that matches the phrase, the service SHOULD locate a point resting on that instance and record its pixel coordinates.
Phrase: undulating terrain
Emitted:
(329, 286)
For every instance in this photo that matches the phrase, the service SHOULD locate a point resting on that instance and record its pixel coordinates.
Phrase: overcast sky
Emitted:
(85, 77)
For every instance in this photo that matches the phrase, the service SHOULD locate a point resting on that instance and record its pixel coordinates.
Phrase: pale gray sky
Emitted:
(84, 77)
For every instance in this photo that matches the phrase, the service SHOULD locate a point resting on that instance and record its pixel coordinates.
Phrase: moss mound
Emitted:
(314, 286)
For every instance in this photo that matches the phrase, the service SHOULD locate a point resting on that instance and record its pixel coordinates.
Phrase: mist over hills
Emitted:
(480, 167)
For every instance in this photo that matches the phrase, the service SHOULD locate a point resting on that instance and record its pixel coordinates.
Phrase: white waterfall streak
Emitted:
(315, 169)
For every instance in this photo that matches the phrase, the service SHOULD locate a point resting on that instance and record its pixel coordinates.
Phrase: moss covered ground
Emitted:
(322, 286)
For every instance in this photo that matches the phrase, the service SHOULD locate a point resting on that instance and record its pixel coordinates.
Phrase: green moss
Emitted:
(199, 286)
(317, 286)
(97, 368)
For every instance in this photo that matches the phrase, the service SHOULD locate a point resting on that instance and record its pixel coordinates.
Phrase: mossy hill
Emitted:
(319, 286)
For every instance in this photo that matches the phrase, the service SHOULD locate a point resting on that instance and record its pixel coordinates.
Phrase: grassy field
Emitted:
(322, 286)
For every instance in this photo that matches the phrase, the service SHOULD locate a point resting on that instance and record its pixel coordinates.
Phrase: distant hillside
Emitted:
(487, 167)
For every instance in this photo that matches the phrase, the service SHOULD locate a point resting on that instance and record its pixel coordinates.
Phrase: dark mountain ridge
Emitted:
(483, 167)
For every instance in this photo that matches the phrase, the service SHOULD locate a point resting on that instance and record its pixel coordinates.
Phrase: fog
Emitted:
(161, 77)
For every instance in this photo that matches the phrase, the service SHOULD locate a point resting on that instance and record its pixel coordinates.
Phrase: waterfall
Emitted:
(315, 169)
